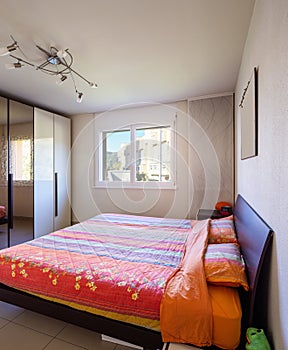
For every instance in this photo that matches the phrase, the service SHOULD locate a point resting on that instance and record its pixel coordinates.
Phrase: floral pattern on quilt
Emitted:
(114, 263)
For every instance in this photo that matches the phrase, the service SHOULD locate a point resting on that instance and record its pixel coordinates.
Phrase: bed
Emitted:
(152, 292)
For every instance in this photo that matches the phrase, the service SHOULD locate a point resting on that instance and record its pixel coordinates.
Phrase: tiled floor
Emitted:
(21, 329)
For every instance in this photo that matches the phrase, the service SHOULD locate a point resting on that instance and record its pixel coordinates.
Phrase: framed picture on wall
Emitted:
(249, 117)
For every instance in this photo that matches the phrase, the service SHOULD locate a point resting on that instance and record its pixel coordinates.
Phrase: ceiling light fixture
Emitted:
(56, 62)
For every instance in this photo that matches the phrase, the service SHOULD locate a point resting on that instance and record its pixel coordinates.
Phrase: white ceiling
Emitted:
(137, 51)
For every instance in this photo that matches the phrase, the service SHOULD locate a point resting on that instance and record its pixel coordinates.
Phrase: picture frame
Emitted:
(249, 117)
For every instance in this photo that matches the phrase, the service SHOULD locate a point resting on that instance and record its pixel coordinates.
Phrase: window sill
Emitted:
(140, 186)
(19, 183)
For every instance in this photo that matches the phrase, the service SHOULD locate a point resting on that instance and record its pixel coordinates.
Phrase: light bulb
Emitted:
(62, 53)
(79, 97)
(6, 50)
(61, 80)
(13, 65)
(93, 85)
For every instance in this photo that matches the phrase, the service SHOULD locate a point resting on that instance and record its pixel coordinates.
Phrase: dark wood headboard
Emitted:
(255, 238)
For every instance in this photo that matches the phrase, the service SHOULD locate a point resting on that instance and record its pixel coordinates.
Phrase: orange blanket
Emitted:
(186, 312)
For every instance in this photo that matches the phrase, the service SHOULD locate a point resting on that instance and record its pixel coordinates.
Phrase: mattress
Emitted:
(227, 314)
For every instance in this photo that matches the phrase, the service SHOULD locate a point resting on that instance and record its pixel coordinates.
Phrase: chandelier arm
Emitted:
(65, 70)
(66, 65)
(73, 80)
(21, 60)
(80, 76)
(42, 65)
(43, 50)
(48, 71)
(63, 59)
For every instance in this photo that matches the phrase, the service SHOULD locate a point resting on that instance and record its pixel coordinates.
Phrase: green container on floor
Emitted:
(256, 339)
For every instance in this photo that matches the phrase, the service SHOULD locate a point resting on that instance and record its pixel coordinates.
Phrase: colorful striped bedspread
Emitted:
(113, 265)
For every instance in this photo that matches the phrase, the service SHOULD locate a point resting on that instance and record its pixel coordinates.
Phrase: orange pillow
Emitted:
(222, 231)
(225, 266)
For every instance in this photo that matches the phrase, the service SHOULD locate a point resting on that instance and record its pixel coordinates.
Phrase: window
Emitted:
(136, 155)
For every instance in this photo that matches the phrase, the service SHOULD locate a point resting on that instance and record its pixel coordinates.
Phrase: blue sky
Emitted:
(114, 140)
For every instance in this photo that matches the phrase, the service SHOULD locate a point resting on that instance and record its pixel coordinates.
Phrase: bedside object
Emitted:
(225, 208)
(204, 214)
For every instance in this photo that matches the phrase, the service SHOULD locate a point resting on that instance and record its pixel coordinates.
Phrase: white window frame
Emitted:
(133, 183)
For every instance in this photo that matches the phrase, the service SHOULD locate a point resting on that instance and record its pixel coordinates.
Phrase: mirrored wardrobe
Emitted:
(4, 172)
(34, 173)
(16, 192)
(20, 175)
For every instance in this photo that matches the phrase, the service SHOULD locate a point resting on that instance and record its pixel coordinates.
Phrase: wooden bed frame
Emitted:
(255, 239)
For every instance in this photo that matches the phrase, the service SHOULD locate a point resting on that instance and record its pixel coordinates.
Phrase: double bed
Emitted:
(145, 280)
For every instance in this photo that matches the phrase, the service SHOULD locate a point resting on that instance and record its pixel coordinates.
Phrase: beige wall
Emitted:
(262, 180)
(89, 200)
(211, 151)
(204, 161)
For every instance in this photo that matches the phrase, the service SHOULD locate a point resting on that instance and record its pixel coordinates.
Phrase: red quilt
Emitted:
(114, 265)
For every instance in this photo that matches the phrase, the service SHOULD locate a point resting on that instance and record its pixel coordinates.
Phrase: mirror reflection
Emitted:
(21, 168)
(3, 174)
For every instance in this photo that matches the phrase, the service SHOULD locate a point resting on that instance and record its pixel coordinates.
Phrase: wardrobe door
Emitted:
(43, 173)
(20, 178)
(62, 184)
(3, 173)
